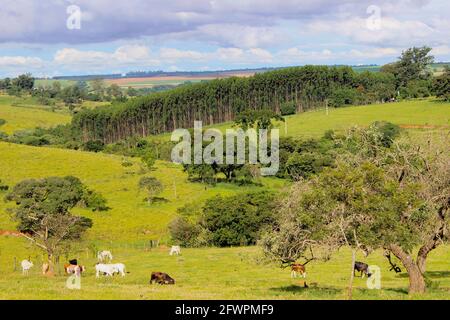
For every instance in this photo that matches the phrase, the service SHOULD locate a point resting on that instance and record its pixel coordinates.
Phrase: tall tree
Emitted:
(394, 198)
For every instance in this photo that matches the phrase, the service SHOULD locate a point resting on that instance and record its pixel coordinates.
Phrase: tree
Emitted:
(44, 213)
(98, 86)
(153, 187)
(148, 158)
(94, 146)
(396, 198)
(412, 65)
(261, 119)
(115, 91)
(24, 82)
(441, 85)
(238, 220)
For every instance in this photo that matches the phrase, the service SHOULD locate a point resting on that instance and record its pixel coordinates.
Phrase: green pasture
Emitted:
(24, 113)
(210, 273)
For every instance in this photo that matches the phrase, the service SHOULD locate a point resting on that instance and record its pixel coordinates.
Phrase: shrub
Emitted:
(238, 220)
(288, 108)
(2, 122)
(94, 146)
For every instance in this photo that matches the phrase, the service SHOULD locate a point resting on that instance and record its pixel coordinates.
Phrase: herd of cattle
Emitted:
(105, 268)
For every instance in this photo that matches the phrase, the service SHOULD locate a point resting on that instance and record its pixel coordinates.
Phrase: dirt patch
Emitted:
(10, 233)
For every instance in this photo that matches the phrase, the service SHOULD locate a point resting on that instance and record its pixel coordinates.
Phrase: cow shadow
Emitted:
(299, 289)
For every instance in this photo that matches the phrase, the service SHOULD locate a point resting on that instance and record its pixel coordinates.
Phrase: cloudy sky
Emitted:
(53, 37)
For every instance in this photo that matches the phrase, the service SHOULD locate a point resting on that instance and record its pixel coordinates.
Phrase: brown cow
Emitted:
(161, 278)
(298, 268)
(74, 269)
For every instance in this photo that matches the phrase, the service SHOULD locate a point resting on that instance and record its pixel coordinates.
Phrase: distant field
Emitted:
(150, 82)
(49, 83)
(23, 114)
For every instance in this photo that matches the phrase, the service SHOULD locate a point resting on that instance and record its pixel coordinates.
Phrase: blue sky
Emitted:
(120, 36)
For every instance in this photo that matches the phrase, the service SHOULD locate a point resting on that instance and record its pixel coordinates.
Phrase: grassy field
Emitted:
(210, 273)
(418, 116)
(24, 113)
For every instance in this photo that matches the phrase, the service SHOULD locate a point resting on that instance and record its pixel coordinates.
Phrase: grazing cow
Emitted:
(26, 266)
(74, 269)
(298, 268)
(104, 256)
(175, 250)
(161, 278)
(109, 269)
(363, 268)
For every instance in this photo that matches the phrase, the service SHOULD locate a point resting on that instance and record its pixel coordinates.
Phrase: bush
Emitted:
(2, 122)
(388, 131)
(342, 96)
(183, 232)
(238, 220)
(94, 146)
(288, 108)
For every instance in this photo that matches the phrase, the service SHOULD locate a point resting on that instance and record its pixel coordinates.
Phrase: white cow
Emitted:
(109, 269)
(175, 250)
(26, 266)
(104, 256)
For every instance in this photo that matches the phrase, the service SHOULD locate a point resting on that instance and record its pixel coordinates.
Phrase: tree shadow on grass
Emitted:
(429, 274)
(299, 289)
(437, 274)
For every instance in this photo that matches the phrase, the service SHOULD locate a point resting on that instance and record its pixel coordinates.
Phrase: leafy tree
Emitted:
(261, 119)
(94, 146)
(288, 108)
(412, 65)
(148, 158)
(24, 82)
(43, 212)
(153, 187)
(395, 198)
(238, 220)
(441, 85)
(98, 86)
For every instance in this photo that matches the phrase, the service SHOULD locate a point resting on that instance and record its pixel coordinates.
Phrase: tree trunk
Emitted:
(416, 279)
(352, 275)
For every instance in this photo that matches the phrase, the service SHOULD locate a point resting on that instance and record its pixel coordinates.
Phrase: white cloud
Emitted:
(19, 61)
(391, 31)
(123, 56)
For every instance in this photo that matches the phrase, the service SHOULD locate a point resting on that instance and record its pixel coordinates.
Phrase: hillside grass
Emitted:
(24, 113)
(130, 218)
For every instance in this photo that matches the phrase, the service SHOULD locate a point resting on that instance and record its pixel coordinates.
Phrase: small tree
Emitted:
(43, 212)
(148, 159)
(152, 185)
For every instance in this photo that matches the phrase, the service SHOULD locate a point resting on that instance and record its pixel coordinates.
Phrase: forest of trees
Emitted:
(221, 100)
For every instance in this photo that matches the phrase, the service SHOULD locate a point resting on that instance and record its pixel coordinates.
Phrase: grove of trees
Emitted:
(222, 100)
